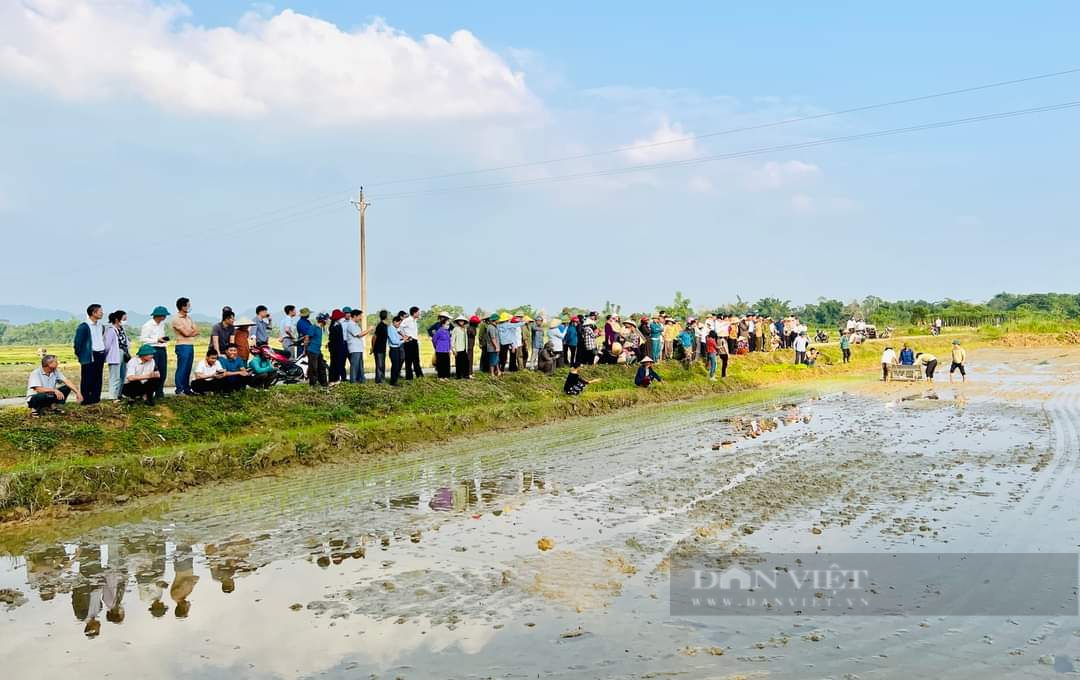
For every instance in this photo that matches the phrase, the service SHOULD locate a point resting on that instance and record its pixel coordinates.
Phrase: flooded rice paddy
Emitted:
(545, 553)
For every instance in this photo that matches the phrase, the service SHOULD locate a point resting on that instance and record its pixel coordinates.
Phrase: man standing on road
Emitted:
(410, 334)
(90, 349)
(288, 331)
(304, 328)
(354, 341)
(316, 369)
(492, 347)
(153, 333)
(394, 343)
(41, 389)
(959, 357)
(378, 346)
(186, 331)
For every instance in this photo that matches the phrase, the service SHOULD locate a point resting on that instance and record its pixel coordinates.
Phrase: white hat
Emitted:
(647, 360)
(442, 315)
(244, 321)
(461, 317)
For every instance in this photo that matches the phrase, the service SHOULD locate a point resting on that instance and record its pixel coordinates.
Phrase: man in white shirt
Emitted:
(888, 360)
(354, 340)
(800, 344)
(47, 386)
(288, 331)
(155, 334)
(90, 349)
(143, 379)
(209, 374)
(410, 345)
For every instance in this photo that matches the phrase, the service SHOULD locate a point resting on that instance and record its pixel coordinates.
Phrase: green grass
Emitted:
(100, 452)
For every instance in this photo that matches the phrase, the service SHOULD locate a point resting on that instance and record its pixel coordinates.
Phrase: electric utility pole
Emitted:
(361, 207)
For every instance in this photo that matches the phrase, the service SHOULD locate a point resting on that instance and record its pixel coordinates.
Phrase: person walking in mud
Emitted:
(959, 358)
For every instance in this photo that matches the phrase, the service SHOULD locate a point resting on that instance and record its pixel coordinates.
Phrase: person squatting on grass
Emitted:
(47, 387)
(143, 378)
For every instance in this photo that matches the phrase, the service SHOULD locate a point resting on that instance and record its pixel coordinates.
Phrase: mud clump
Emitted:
(12, 598)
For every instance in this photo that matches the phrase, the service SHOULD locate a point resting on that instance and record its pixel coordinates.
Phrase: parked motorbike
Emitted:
(288, 370)
(821, 336)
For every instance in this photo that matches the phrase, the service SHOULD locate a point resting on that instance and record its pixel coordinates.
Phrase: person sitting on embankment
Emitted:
(47, 386)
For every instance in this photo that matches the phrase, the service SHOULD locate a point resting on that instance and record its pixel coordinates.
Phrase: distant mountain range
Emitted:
(18, 315)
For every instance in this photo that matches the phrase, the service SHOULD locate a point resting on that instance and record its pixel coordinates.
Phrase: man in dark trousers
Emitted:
(410, 335)
(90, 350)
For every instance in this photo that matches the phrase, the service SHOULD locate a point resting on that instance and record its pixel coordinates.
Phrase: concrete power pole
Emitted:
(361, 207)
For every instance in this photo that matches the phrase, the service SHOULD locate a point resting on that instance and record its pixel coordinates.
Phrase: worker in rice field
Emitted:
(959, 358)
(929, 363)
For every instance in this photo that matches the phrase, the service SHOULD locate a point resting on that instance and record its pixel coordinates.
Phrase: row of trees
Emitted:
(829, 313)
(825, 313)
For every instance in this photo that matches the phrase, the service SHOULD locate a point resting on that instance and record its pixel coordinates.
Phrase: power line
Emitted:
(730, 131)
(318, 200)
(741, 154)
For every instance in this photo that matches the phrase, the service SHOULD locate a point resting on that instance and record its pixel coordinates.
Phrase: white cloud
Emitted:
(773, 175)
(288, 63)
(667, 143)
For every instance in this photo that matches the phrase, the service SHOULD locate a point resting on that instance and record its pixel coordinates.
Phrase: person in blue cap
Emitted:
(155, 335)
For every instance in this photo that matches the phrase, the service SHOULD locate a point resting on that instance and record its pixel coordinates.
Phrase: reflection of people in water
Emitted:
(44, 568)
(112, 594)
(227, 559)
(442, 500)
(86, 597)
(148, 562)
(184, 581)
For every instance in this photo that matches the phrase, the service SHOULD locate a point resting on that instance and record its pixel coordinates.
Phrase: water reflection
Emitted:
(163, 575)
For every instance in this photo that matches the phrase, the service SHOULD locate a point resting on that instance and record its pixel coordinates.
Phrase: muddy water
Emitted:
(429, 565)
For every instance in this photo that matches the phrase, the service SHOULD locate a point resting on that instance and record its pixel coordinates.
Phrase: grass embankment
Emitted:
(110, 451)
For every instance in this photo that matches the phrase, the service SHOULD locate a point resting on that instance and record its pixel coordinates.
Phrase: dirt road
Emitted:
(429, 565)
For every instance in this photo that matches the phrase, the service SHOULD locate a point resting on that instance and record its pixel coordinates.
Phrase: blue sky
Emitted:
(151, 150)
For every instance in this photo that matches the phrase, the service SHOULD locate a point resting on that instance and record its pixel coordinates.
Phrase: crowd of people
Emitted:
(331, 347)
